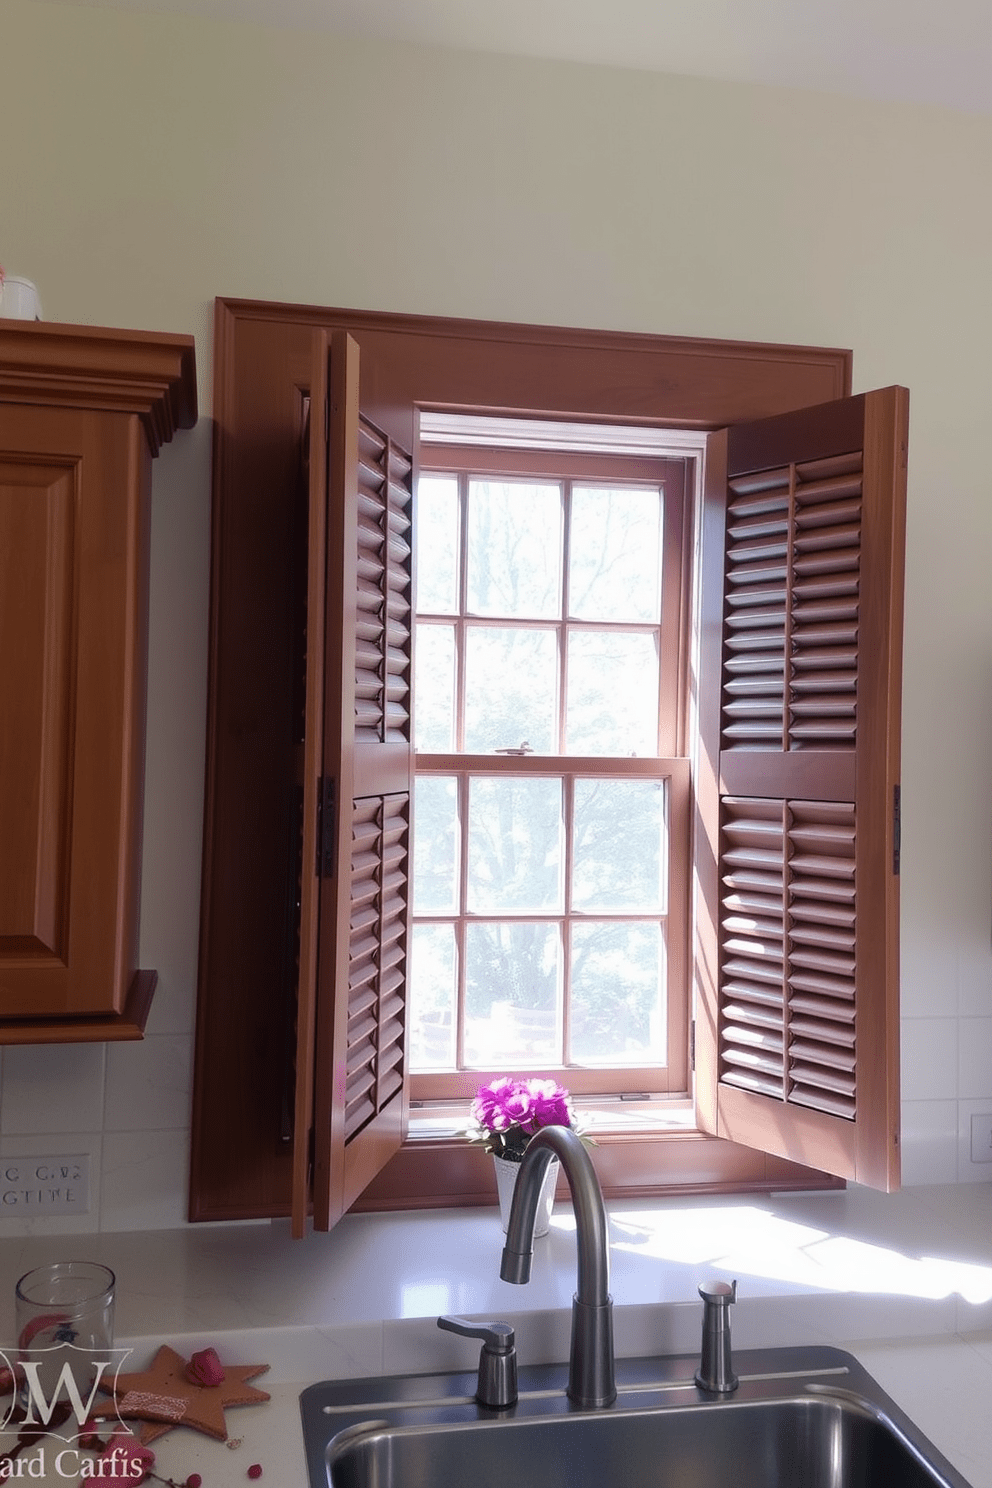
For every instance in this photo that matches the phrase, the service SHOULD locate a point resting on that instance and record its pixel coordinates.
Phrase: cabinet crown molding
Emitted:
(149, 373)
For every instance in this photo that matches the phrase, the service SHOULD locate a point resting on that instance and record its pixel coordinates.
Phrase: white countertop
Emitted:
(904, 1281)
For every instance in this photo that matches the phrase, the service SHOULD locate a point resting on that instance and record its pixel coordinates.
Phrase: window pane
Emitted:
(514, 549)
(618, 994)
(511, 689)
(612, 693)
(435, 688)
(435, 845)
(514, 845)
(620, 851)
(437, 544)
(432, 997)
(513, 1003)
(615, 562)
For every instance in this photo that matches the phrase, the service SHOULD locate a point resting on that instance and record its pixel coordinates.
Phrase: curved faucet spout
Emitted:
(591, 1368)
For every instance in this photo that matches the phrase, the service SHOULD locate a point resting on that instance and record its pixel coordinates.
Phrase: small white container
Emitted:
(19, 299)
(506, 1181)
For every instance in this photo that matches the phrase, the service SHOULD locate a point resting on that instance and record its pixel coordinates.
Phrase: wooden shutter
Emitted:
(797, 1046)
(352, 1020)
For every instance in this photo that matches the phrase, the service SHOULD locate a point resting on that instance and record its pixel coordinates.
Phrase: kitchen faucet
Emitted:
(590, 1370)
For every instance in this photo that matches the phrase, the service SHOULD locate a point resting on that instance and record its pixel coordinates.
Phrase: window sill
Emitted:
(596, 1118)
(645, 1149)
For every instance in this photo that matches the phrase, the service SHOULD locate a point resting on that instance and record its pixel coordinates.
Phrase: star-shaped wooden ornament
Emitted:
(163, 1396)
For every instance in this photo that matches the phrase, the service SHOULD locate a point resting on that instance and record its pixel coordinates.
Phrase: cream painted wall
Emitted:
(150, 163)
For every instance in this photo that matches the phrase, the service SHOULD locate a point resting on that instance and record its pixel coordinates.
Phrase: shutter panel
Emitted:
(798, 1032)
(358, 1028)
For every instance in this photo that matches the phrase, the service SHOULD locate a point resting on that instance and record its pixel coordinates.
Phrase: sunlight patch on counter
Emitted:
(750, 1242)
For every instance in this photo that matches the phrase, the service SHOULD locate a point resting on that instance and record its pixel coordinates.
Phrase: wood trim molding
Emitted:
(438, 1173)
(127, 1025)
(518, 333)
(148, 373)
(241, 1166)
(467, 366)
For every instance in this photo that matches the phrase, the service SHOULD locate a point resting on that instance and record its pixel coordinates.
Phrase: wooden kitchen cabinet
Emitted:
(83, 411)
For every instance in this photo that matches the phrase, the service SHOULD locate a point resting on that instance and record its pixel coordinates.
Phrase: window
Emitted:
(551, 837)
(301, 1025)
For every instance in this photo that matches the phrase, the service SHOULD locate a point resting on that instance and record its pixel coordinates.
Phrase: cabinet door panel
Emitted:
(37, 665)
(73, 560)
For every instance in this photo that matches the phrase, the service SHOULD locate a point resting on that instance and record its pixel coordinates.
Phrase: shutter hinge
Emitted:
(692, 1044)
(896, 827)
(327, 827)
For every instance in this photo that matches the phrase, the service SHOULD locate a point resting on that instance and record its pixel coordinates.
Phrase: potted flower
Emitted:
(505, 1114)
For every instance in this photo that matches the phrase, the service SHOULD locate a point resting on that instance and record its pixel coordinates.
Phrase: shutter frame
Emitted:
(354, 1038)
(846, 1121)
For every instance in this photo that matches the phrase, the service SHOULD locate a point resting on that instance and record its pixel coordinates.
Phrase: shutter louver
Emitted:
(380, 823)
(791, 627)
(377, 958)
(382, 649)
(787, 945)
(790, 683)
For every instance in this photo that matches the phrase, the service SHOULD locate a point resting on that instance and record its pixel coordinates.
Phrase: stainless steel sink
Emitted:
(801, 1418)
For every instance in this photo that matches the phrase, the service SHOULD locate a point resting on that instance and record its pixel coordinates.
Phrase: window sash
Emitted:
(569, 469)
(676, 476)
(670, 1078)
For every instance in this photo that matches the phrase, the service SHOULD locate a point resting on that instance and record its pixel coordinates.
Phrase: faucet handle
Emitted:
(497, 1336)
(497, 1386)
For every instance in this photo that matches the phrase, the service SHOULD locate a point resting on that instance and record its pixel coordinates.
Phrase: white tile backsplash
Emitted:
(145, 1176)
(148, 1084)
(929, 1142)
(52, 1088)
(929, 1059)
(974, 1057)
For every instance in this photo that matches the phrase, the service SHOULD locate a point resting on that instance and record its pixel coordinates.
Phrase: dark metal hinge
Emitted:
(692, 1044)
(327, 827)
(896, 827)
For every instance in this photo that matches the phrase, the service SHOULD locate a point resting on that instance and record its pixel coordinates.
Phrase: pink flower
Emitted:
(549, 1103)
(519, 1105)
(489, 1106)
(205, 1368)
(120, 1458)
(510, 1111)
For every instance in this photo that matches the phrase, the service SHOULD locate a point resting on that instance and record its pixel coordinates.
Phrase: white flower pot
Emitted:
(19, 299)
(506, 1182)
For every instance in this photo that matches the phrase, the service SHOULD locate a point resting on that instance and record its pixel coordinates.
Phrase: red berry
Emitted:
(255, 1471)
(194, 1481)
